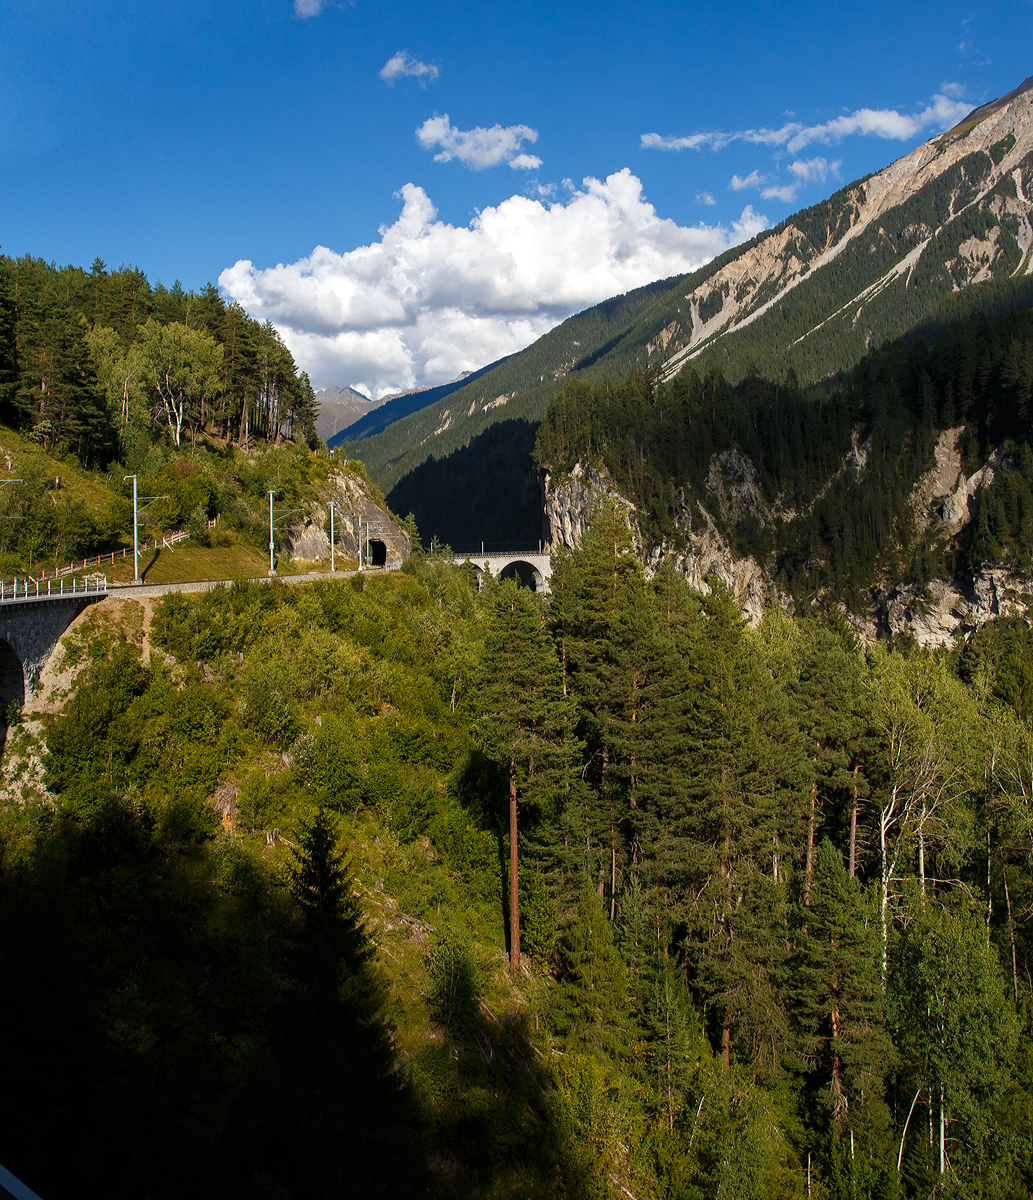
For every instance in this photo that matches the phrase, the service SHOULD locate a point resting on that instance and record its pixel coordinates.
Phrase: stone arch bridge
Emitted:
(531, 567)
(31, 625)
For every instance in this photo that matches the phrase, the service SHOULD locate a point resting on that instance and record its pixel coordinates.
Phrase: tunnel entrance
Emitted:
(524, 574)
(377, 554)
(12, 685)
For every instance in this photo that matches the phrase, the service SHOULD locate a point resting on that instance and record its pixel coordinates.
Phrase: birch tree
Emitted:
(958, 1035)
(120, 371)
(182, 369)
(920, 713)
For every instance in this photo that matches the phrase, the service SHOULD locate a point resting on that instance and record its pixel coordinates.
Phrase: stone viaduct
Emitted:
(531, 567)
(30, 629)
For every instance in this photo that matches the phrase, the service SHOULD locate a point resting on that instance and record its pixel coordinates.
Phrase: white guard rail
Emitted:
(32, 589)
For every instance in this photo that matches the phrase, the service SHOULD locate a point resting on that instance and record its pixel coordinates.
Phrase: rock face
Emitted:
(950, 607)
(944, 498)
(339, 408)
(570, 500)
(384, 542)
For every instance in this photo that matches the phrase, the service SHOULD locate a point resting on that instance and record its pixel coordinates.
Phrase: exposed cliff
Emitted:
(944, 231)
(357, 507)
(944, 502)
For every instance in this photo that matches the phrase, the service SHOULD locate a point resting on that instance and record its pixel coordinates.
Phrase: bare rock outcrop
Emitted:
(357, 514)
(944, 499)
(936, 615)
(570, 500)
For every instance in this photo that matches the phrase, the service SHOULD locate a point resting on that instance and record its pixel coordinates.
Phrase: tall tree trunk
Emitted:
(989, 894)
(810, 844)
(514, 877)
(853, 825)
(1011, 935)
(921, 854)
(884, 895)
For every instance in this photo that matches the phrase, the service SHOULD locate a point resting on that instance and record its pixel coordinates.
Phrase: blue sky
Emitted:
(223, 139)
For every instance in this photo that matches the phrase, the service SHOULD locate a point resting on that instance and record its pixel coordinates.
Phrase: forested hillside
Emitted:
(103, 375)
(486, 492)
(815, 484)
(823, 481)
(93, 361)
(773, 895)
(935, 237)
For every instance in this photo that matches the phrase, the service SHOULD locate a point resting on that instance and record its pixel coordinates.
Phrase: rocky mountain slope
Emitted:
(393, 408)
(943, 231)
(340, 408)
(943, 502)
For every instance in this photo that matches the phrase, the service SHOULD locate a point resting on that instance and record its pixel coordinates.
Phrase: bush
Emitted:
(455, 986)
(197, 524)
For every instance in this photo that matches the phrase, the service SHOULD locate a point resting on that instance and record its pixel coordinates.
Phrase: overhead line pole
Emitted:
(136, 532)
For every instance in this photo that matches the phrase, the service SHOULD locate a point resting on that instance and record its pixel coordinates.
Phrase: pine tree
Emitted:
(838, 1008)
(522, 718)
(610, 649)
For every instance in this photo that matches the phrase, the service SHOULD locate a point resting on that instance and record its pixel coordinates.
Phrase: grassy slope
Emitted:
(189, 563)
(28, 459)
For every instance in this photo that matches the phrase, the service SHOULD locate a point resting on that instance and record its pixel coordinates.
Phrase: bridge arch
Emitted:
(525, 573)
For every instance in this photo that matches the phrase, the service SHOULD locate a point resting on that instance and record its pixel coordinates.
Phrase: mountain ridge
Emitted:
(879, 257)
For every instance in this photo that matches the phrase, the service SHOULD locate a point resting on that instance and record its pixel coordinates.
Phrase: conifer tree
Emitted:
(838, 1007)
(522, 717)
(610, 653)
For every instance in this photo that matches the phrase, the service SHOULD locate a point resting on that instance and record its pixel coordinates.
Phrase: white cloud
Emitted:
(753, 180)
(786, 193)
(943, 111)
(809, 170)
(309, 8)
(478, 148)
(525, 162)
(402, 64)
(705, 198)
(431, 299)
(814, 170)
(695, 141)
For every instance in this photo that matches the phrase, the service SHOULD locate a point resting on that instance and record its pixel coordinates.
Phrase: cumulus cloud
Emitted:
(429, 299)
(479, 148)
(525, 162)
(944, 110)
(402, 64)
(309, 8)
(705, 198)
(784, 192)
